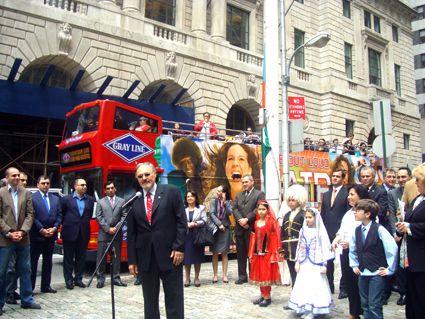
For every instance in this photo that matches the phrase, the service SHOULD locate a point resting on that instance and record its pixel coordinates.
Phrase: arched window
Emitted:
(59, 78)
(238, 119)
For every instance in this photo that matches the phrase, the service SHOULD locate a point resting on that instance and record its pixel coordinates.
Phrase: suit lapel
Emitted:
(158, 198)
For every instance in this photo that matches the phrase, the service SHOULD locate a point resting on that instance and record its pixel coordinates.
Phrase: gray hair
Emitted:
(249, 177)
(367, 168)
(3, 182)
(147, 164)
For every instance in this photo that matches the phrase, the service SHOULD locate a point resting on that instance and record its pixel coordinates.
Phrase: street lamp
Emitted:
(319, 40)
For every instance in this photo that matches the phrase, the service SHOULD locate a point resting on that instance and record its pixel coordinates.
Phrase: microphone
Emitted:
(132, 200)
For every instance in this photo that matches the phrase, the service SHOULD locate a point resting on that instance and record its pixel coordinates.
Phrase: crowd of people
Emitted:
(348, 146)
(377, 232)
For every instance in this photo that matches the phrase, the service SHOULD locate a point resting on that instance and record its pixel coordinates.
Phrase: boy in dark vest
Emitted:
(372, 256)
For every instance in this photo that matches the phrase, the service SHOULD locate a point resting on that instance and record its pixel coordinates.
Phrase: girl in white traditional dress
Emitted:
(311, 294)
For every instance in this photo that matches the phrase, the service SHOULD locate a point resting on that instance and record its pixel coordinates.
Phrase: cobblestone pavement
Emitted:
(208, 301)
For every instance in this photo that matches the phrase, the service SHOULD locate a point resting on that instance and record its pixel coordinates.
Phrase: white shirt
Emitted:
(348, 225)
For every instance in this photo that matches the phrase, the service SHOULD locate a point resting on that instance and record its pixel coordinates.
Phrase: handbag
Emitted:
(204, 236)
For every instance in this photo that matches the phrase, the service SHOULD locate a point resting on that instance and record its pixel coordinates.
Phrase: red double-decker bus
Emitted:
(105, 140)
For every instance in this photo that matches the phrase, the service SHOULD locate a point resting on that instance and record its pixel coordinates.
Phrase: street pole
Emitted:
(272, 101)
(384, 149)
(285, 125)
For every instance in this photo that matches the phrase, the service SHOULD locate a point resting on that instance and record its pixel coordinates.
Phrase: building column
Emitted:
(107, 1)
(218, 19)
(199, 16)
(132, 5)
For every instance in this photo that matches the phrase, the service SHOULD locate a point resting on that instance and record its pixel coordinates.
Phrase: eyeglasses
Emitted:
(45, 183)
(145, 174)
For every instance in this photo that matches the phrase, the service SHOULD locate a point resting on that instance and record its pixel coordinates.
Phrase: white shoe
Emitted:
(310, 316)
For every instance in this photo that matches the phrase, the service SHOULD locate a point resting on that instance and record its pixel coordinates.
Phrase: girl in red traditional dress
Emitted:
(264, 253)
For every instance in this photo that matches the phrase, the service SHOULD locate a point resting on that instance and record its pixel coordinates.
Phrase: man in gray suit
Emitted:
(244, 211)
(110, 216)
(404, 174)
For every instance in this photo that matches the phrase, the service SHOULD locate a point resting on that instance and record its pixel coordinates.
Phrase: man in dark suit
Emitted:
(377, 194)
(334, 207)
(245, 212)
(413, 230)
(77, 209)
(109, 216)
(157, 232)
(389, 180)
(47, 219)
(16, 219)
(403, 175)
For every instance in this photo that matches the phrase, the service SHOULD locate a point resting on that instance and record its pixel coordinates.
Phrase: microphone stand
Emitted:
(111, 251)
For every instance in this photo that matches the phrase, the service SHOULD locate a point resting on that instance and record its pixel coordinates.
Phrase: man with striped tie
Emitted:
(47, 219)
(109, 216)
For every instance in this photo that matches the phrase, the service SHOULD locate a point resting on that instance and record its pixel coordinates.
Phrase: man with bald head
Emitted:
(17, 217)
(77, 210)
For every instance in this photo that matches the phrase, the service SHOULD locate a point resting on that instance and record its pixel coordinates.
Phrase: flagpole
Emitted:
(272, 101)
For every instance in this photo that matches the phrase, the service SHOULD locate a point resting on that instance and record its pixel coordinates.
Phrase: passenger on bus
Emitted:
(349, 148)
(119, 122)
(143, 124)
(177, 132)
(205, 128)
(321, 147)
(336, 148)
(362, 150)
(153, 126)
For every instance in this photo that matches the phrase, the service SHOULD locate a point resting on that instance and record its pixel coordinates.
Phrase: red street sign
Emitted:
(296, 107)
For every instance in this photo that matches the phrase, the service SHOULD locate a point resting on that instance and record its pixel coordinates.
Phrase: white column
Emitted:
(180, 13)
(131, 5)
(218, 19)
(199, 16)
(271, 26)
(107, 1)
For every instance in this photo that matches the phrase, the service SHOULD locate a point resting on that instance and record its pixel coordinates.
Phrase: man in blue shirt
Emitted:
(77, 210)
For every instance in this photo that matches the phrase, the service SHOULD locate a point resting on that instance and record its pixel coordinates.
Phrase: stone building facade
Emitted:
(214, 49)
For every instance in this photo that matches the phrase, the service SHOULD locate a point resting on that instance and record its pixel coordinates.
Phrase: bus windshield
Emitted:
(83, 121)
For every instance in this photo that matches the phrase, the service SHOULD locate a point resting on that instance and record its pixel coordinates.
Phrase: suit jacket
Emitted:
(410, 193)
(379, 195)
(108, 217)
(44, 219)
(332, 215)
(7, 215)
(393, 197)
(199, 215)
(416, 242)
(246, 207)
(215, 212)
(72, 222)
(167, 231)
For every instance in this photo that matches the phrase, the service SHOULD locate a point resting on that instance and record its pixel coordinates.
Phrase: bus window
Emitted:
(83, 121)
(127, 120)
(126, 184)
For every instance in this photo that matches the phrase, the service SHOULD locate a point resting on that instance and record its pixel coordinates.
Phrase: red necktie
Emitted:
(149, 207)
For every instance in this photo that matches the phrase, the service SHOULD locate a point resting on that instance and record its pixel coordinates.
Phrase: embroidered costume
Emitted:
(264, 250)
(311, 292)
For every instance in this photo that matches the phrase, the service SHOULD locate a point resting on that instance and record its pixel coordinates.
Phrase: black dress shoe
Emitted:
(215, 281)
(385, 302)
(80, 284)
(286, 308)
(342, 294)
(256, 302)
(197, 285)
(265, 302)
(50, 290)
(70, 285)
(119, 283)
(16, 296)
(100, 285)
(31, 306)
(240, 281)
(402, 300)
(138, 281)
(226, 281)
(10, 300)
